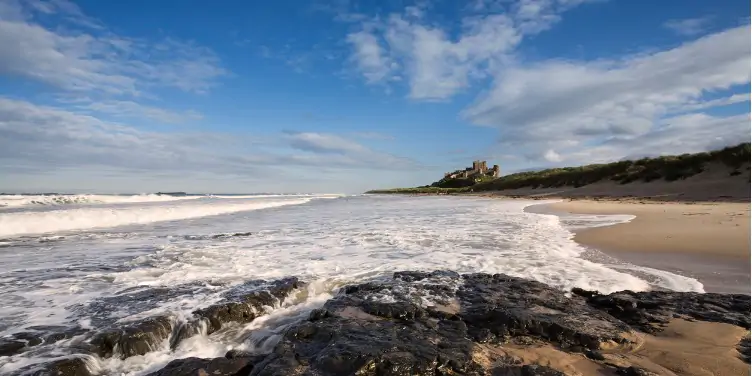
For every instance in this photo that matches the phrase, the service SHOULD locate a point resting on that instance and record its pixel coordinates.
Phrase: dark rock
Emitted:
(744, 349)
(244, 306)
(47, 334)
(10, 347)
(410, 276)
(595, 355)
(31, 338)
(510, 307)
(358, 333)
(383, 329)
(135, 339)
(526, 370)
(61, 367)
(635, 371)
(422, 323)
(206, 367)
(646, 311)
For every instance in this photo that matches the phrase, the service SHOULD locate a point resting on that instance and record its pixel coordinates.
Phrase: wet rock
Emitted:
(744, 349)
(355, 333)
(345, 346)
(31, 338)
(501, 306)
(48, 334)
(10, 347)
(422, 323)
(526, 370)
(247, 302)
(595, 355)
(412, 276)
(205, 367)
(635, 371)
(135, 339)
(61, 367)
(646, 311)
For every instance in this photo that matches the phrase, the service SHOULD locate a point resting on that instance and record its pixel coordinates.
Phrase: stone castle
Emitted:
(479, 169)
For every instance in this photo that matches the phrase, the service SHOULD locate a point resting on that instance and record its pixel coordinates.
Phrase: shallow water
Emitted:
(90, 264)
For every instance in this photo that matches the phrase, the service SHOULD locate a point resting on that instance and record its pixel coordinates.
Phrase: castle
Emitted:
(479, 169)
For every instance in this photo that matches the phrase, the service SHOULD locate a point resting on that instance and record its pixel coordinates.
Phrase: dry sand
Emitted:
(699, 227)
(713, 229)
(707, 241)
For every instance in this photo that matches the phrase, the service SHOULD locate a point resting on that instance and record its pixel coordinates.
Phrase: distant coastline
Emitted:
(721, 175)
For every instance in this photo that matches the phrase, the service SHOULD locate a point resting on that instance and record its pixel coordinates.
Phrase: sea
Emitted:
(94, 261)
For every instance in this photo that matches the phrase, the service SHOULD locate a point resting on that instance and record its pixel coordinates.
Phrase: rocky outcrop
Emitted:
(246, 302)
(502, 307)
(647, 310)
(439, 323)
(241, 304)
(74, 366)
(36, 335)
(135, 339)
(208, 367)
(433, 324)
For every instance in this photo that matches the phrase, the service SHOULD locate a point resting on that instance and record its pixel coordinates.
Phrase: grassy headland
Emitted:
(736, 160)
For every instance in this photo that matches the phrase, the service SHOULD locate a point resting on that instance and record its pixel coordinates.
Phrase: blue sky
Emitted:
(343, 96)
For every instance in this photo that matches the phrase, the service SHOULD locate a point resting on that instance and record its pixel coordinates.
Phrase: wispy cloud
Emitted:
(132, 110)
(42, 138)
(373, 136)
(587, 102)
(589, 99)
(688, 26)
(436, 64)
(101, 61)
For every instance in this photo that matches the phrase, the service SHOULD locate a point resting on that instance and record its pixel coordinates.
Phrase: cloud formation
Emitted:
(79, 60)
(437, 64)
(43, 137)
(688, 26)
(553, 109)
(552, 101)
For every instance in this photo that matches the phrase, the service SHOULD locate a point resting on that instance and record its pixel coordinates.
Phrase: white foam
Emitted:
(21, 223)
(494, 237)
(47, 200)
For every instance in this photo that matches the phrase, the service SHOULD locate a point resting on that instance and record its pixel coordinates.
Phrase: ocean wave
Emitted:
(49, 200)
(24, 223)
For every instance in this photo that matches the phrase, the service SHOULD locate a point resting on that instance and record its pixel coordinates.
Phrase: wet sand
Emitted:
(706, 241)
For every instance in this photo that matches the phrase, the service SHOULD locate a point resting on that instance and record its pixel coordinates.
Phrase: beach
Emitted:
(709, 241)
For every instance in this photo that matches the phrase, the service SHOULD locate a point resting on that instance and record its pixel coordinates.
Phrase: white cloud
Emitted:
(133, 110)
(696, 105)
(677, 135)
(100, 61)
(40, 138)
(372, 136)
(552, 156)
(369, 56)
(356, 153)
(689, 26)
(554, 100)
(436, 63)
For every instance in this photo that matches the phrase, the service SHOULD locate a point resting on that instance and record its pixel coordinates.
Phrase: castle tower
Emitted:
(496, 171)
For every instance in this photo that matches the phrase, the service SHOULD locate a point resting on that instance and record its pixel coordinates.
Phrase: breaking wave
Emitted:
(39, 222)
(47, 200)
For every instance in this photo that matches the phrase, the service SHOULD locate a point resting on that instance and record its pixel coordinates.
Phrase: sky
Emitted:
(342, 96)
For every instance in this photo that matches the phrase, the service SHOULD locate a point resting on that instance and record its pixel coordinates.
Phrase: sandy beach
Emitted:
(709, 241)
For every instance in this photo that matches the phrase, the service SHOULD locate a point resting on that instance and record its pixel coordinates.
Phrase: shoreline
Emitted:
(705, 241)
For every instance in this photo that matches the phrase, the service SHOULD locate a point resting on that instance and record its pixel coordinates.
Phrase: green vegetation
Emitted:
(669, 168)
